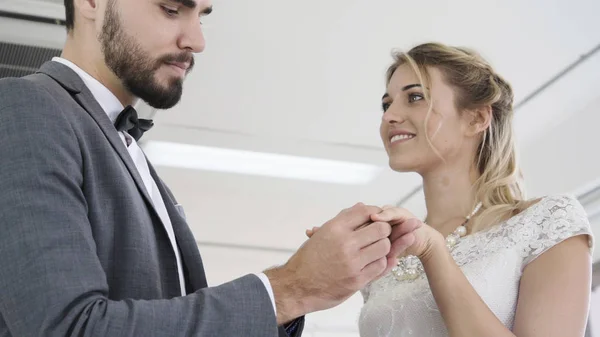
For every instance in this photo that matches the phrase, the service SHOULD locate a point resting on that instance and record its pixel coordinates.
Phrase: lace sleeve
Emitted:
(557, 219)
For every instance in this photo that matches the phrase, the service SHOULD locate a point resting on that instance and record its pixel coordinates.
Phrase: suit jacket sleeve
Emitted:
(51, 279)
(293, 329)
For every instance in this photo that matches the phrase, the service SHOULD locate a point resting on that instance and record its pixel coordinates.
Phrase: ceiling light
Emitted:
(259, 163)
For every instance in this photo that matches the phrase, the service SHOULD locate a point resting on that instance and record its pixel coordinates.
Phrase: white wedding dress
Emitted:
(492, 260)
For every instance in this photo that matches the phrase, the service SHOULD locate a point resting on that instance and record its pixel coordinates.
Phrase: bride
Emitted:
(485, 262)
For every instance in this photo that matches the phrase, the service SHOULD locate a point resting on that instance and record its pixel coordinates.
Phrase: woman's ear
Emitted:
(478, 120)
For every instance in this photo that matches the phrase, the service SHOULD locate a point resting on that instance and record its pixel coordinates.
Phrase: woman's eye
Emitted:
(414, 97)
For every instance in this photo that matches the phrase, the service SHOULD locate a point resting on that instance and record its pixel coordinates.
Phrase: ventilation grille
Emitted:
(19, 60)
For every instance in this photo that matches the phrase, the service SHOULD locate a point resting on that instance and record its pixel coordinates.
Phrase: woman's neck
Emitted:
(449, 197)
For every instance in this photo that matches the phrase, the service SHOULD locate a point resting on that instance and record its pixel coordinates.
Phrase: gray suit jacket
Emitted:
(82, 250)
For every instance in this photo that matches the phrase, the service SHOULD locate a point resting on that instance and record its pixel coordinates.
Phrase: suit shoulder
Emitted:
(23, 92)
(29, 111)
(21, 98)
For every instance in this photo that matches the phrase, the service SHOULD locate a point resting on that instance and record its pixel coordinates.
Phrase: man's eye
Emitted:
(169, 11)
(385, 106)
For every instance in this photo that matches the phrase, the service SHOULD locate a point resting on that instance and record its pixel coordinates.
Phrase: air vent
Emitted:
(19, 60)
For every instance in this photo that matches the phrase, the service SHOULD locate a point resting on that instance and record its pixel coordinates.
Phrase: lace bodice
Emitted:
(492, 260)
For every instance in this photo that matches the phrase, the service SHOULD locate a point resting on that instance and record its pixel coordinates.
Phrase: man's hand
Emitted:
(340, 259)
(424, 239)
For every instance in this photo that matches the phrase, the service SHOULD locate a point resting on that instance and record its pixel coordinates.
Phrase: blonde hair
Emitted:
(499, 186)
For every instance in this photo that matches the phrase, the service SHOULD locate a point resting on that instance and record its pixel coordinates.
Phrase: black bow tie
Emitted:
(129, 122)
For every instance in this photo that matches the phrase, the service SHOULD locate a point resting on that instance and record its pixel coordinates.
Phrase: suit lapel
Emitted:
(194, 269)
(192, 261)
(69, 80)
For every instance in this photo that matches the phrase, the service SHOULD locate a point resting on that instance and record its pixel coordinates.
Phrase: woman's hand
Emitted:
(426, 238)
(420, 237)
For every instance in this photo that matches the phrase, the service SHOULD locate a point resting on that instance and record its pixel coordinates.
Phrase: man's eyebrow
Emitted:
(187, 3)
(191, 4)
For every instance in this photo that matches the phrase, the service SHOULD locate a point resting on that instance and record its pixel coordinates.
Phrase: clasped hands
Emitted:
(359, 245)
(408, 235)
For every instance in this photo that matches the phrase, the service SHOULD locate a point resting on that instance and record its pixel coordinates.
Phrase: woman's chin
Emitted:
(401, 166)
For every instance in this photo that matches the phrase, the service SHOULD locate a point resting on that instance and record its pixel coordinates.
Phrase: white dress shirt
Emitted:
(113, 107)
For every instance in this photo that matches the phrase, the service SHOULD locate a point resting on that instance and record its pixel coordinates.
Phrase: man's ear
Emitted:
(88, 9)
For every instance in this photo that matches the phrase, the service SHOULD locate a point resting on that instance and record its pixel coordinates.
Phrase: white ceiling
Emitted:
(306, 77)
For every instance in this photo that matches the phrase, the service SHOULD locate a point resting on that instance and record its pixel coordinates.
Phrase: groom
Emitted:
(91, 240)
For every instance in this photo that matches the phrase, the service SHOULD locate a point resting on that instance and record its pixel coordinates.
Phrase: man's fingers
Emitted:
(391, 263)
(370, 271)
(374, 252)
(372, 233)
(310, 232)
(392, 214)
(374, 269)
(356, 216)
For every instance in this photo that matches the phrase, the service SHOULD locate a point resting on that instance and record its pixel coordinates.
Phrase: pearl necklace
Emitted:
(410, 267)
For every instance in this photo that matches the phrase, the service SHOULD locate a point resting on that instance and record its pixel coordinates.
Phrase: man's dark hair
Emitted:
(69, 14)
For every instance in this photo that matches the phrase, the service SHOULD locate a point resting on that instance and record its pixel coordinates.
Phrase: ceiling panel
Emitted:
(285, 69)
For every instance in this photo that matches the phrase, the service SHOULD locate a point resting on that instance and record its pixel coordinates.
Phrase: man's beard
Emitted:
(135, 68)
